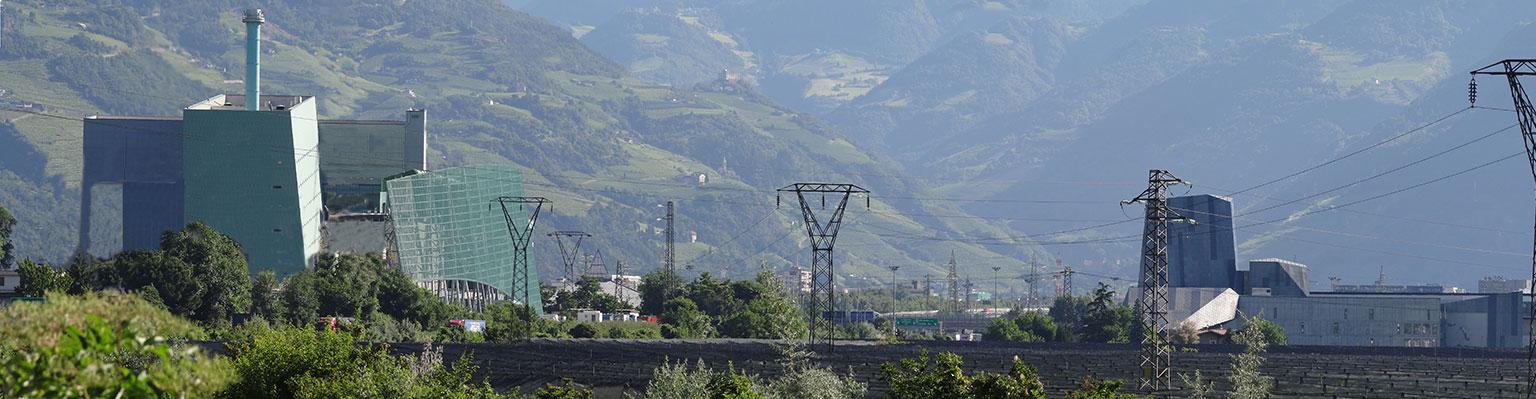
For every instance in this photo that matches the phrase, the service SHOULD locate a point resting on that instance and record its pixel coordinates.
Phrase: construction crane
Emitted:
(1512, 70)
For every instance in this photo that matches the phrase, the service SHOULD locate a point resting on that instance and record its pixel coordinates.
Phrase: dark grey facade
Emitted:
(131, 182)
(1203, 254)
(1277, 277)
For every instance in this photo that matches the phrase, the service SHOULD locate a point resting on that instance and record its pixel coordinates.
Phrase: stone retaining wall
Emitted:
(1300, 372)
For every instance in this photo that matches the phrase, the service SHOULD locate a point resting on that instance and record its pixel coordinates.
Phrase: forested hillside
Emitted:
(500, 87)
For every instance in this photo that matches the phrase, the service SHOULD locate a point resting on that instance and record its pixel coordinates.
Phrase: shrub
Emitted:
(567, 390)
(102, 345)
(1103, 389)
(803, 380)
(41, 324)
(293, 362)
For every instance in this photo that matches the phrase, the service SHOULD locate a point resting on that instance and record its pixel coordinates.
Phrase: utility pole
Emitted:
(894, 284)
(1153, 304)
(569, 254)
(995, 269)
(522, 237)
(954, 283)
(823, 236)
(669, 259)
(1512, 70)
(928, 291)
(969, 290)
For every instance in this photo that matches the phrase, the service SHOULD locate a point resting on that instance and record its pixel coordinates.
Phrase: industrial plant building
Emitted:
(288, 186)
(1202, 258)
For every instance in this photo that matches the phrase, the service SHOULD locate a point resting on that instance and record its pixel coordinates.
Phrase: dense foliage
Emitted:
(943, 377)
(705, 307)
(102, 345)
(1095, 318)
(293, 362)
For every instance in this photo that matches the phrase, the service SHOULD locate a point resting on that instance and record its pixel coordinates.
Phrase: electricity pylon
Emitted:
(954, 283)
(522, 237)
(1512, 70)
(1153, 304)
(822, 299)
(569, 254)
(669, 259)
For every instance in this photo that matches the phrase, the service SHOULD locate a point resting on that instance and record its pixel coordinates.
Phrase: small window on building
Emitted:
(2, 281)
(1303, 328)
(1335, 328)
(277, 230)
(277, 187)
(1371, 314)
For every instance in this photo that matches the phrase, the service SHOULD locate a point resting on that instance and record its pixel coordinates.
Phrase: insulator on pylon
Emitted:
(1472, 91)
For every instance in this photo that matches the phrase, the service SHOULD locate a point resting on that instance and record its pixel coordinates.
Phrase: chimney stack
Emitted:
(253, 20)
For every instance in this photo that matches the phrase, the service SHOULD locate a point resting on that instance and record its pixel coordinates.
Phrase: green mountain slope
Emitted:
(500, 87)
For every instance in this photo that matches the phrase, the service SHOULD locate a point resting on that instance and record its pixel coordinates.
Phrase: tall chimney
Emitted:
(253, 20)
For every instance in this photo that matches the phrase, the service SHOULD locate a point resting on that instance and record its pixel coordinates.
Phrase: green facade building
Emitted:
(451, 236)
(255, 175)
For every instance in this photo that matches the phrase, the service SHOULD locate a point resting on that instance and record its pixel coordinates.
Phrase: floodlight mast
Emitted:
(1512, 70)
(822, 299)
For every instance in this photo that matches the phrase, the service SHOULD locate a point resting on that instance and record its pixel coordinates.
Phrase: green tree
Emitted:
(1022, 327)
(714, 297)
(508, 321)
(770, 316)
(219, 266)
(1021, 382)
(265, 299)
(401, 298)
(656, 288)
(1247, 380)
(682, 319)
(37, 279)
(588, 294)
(730, 384)
(938, 377)
(1104, 321)
(7, 248)
(1067, 311)
(1271, 332)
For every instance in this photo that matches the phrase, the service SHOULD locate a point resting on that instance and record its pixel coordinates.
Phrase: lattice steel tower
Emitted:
(522, 237)
(954, 283)
(570, 254)
(1512, 70)
(669, 259)
(822, 299)
(1153, 304)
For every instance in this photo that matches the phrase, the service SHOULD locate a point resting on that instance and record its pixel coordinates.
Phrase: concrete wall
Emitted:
(1300, 372)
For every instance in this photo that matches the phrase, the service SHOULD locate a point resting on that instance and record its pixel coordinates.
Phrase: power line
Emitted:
(1352, 153)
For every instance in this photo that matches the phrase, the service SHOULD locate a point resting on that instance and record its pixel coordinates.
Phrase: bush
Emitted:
(291, 362)
(801, 380)
(102, 345)
(1104, 389)
(584, 330)
(939, 377)
(566, 390)
(41, 324)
